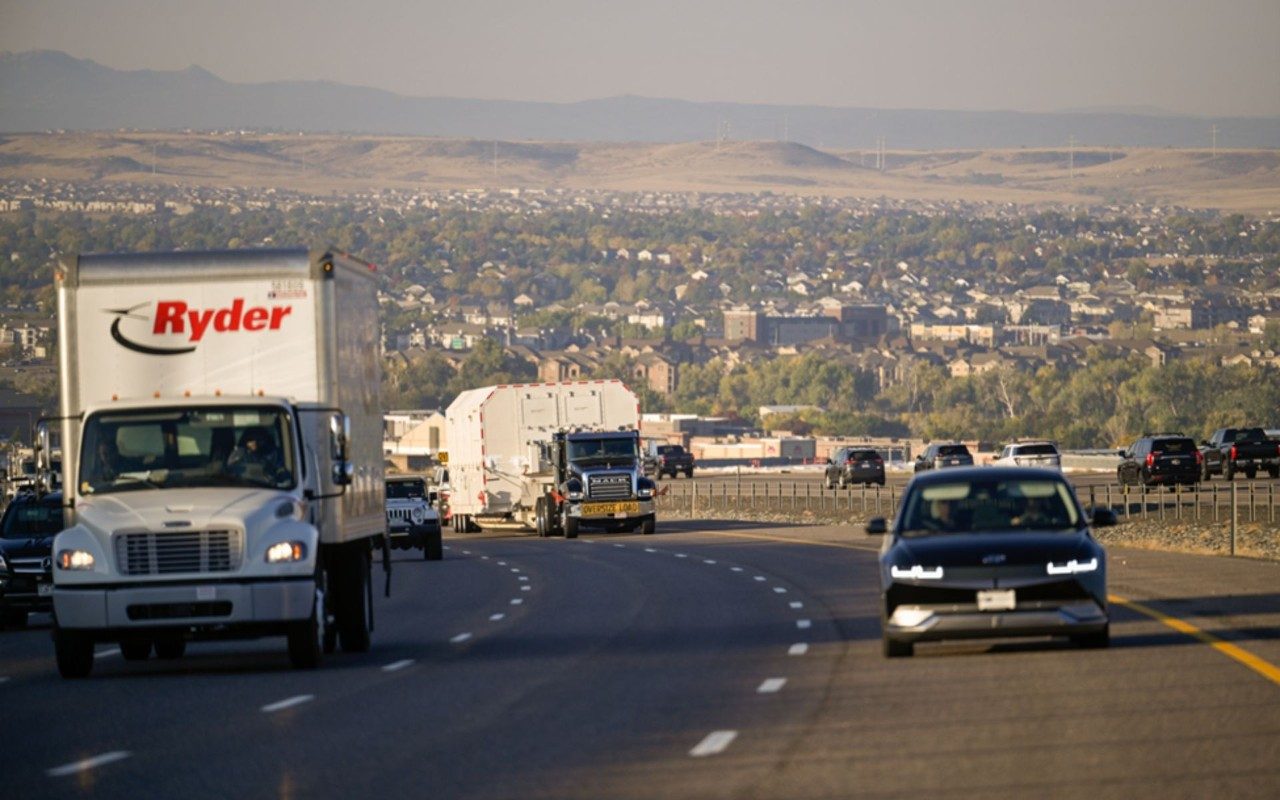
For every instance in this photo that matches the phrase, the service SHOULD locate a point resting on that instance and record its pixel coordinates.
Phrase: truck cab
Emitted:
(599, 481)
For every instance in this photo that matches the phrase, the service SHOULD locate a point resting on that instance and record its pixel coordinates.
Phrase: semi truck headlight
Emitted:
(645, 488)
(284, 552)
(75, 560)
(573, 489)
(1072, 567)
(916, 572)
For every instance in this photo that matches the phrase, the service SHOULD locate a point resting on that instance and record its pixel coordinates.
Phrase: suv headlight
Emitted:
(417, 515)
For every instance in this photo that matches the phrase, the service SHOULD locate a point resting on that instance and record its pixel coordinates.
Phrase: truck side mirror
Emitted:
(339, 437)
(44, 458)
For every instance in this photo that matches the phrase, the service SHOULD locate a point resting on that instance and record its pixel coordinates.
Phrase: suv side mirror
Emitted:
(1122, 453)
(876, 526)
(1103, 518)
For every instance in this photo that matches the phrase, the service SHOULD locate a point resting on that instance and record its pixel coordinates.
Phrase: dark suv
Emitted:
(944, 454)
(26, 550)
(1160, 460)
(850, 465)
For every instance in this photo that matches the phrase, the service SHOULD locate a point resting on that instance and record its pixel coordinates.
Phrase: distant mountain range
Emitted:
(43, 90)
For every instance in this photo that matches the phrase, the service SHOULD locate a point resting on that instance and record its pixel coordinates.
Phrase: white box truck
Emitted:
(548, 457)
(222, 460)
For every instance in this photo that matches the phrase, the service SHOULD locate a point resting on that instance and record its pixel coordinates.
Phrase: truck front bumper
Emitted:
(168, 605)
(614, 511)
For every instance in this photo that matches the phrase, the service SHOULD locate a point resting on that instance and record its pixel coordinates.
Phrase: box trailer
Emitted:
(548, 457)
(222, 461)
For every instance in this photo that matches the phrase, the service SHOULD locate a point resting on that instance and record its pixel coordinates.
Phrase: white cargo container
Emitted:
(221, 430)
(517, 453)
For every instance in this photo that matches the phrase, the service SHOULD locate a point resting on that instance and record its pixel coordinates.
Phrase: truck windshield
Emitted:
(187, 447)
(618, 449)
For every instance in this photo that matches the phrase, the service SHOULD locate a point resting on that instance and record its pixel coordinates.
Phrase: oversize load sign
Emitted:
(232, 338)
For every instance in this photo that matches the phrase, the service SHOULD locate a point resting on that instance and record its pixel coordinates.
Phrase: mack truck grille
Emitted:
(609, 487)
(190, 551)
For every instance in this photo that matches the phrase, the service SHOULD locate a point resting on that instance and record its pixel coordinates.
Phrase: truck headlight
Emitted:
(644, 489)
(916, 572)
(75, 560)
(573, 489)
(284, 552)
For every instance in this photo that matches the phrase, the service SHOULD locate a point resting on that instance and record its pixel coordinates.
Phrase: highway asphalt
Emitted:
(714, 659)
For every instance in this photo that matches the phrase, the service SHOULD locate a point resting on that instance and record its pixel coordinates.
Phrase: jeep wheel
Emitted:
(74, 653)
(170, 647)
(136, 650)
(433, 548)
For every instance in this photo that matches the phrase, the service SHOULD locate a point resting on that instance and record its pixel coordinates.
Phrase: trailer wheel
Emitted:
(306, 638)
(74, 652)
(542, 517)
(348, 578)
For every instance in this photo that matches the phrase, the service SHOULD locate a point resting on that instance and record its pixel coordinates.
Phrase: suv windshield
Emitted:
(187, 447)
(32, 519)
(406, 490)
(621, 448)
(990, 506)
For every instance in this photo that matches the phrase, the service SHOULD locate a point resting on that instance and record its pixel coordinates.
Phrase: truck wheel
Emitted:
(648, 526)
(136, 650)
(688, 473)
(1228, 471)
(74, 652)
(433, 549)
(306, 638)
(542, 517)
(570, 527)
(1274, 472)
(347, 580)
(170, 647)
(1251, 473)
(1204, 471)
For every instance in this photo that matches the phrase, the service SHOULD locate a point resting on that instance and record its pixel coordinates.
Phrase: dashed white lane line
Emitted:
(466, 552)
(288, 702)
(736, 569)
(115, 651)
(760, 578)
(525, 588)
(396, 666)
(619, 545)
(771, 686)
(515, 569)
(803, 624)
(779, 590)
(484, 558)
(708, 561)
(682, 555)
(4, 678)
(796, 604)
(713, 743)
(502, 563)
(650, 550)
(86, 764)
(447, 547)
(798, 649)
(522, 578)
(496, 617)
(515, 601)
(460, 638)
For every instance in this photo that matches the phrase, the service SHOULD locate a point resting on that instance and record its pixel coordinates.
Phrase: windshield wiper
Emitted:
(145, 480)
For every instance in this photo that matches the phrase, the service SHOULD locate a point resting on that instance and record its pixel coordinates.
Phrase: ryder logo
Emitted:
(176, 319)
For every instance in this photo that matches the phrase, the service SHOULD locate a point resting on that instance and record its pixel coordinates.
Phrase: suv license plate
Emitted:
(629, 507)
(997, 600)
(44, 589)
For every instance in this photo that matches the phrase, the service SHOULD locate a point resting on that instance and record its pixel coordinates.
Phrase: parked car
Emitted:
(667, 459)
(850, 465)
(1232, 450)
(944, 454)
(26, 555)
(1030, 454)
(1160, 460)
(411, 519)
(991, 552)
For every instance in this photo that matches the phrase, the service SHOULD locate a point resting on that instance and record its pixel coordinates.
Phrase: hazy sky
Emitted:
(1218, 57)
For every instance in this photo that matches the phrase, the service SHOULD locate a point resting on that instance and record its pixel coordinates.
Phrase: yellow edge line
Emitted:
(1261, 666)
(1264, 668)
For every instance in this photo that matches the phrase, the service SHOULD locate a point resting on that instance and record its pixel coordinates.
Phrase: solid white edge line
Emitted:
(771, 686)
(798, 649)
(460, 638)
(395, 666)
(115, 651)
(713, 743)
(87, 764)
(803, 623)
(288, 702)
(496, 617)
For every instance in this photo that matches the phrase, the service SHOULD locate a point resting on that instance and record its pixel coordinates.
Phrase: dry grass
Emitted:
(1244, 181)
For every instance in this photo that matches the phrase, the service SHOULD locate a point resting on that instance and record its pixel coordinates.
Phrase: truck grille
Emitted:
(189, 551)
(615, 486)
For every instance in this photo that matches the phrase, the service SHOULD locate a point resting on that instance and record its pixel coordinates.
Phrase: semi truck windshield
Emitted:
(621, 448)
(187, 447)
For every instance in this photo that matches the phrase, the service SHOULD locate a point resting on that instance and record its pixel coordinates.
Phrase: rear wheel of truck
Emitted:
(74, 653)
(347, 581)
(688, 473)
(170, 647)
(306, 638)
(542, 516)
(1251, 473)
(1274, 472)
(570, 527)
(1228, 471)
(136, 650)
